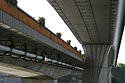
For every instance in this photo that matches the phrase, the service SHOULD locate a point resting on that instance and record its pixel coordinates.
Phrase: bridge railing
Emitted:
(20, 54)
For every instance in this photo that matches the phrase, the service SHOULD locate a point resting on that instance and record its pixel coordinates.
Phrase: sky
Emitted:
(41, 8)
(121, 56)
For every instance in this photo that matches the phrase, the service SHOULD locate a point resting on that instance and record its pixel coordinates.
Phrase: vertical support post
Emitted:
(55, 81)
(98, 69)
(79, 81)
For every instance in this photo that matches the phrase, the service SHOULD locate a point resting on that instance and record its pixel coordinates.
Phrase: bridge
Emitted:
(97, 24)
(29, 50)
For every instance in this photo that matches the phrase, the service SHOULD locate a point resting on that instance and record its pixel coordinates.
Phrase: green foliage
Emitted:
(118, 73)
(41, 21)
(114, 80)
(12, 2)
(120, 65)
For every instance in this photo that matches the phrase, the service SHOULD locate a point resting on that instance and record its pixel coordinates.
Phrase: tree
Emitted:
(118, 73)
(41, 21)
(121, 65)
(58, 34)
(12, 2)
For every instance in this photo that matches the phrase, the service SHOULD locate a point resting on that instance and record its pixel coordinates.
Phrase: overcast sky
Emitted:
(41, 8)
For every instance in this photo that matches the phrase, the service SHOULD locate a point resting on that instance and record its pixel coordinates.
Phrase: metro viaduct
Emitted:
(28, 49)
(98, 25)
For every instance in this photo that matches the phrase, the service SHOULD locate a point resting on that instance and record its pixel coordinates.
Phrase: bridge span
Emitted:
(98, 25)
(31, 49)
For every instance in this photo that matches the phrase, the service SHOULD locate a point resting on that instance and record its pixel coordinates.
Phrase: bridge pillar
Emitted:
(97, 75)
(55, 81)
(97, 68)
(105, 75)
(79, 81)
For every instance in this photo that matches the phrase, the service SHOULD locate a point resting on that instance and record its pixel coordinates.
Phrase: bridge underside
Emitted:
(98, 25)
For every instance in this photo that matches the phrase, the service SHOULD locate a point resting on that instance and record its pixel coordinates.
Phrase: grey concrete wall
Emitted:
(50, 70)
(10, 80)
(24, 80)
(37, 81)
(67, 79)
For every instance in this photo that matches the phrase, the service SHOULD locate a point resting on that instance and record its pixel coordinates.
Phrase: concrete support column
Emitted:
(79, 81)
(97, 75)
(73, 79)
(55, 81)
(105, 75)
(91, 75)
(97, 69)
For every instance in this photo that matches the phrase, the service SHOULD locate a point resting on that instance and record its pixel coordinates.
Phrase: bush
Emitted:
(12, 2)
